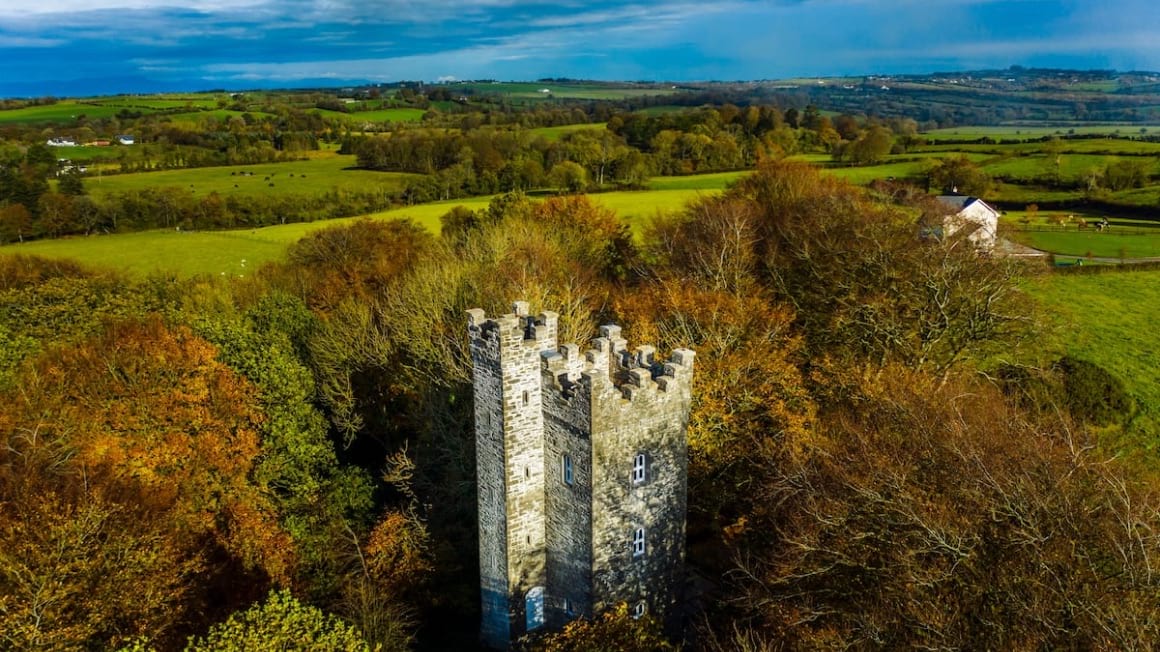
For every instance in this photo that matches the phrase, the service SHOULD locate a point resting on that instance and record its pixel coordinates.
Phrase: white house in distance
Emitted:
(974, 213)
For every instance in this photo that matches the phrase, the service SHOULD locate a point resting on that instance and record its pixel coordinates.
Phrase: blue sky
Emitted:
(52, 46)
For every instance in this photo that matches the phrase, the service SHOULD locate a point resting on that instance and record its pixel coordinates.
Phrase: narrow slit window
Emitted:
(566, 468)
(639, 468)
(638, 542)
(525, 399)
(568, 608)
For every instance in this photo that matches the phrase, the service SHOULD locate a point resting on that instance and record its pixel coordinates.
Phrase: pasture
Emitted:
(63, 112)
(82, 153)
(1110, 244)
(1023, 132)
(552, 134)
(1109, 319)
(156, 102)
(532, 91)
(312, 176)
(377, 115)
(189, 253)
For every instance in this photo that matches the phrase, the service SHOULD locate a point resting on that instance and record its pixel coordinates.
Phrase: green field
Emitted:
(1109, 319)
(158, 101)
(1070, 166)
(1082, 243)
(713, 181)
(312, 176)
(532, 91)
(62, 112)
(378, 115)
(865, 174)
(1026, 132)
(222, 252)
(83, 153)
(552, 134)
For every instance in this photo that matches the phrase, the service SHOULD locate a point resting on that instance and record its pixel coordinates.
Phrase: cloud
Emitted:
(65, 7)
(9, 41)
(251, 41)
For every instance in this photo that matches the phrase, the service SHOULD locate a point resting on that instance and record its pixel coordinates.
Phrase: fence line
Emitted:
(1072, 228)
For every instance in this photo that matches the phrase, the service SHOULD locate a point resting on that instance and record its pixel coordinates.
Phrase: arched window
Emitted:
(639, 609)
(640, 468)
(638, 542)
(534, 609)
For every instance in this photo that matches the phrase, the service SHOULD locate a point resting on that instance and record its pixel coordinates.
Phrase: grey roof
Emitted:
(956, 202)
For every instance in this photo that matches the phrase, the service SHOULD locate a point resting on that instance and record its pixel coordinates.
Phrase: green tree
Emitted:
(1126, 173)
(958, 174)
(72, 182)
(568, 176)
(871, 146)
(280, 623)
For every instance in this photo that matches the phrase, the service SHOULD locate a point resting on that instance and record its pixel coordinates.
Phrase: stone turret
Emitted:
(581, 464)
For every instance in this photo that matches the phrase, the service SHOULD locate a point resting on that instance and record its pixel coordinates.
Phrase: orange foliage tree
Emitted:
(144, 429)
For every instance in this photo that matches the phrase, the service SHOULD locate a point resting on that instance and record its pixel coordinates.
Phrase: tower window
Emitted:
(525, 399)
(639, 468)
(639, 609)
(569, 608)
(638, 542)
(566, 468)
(534, 609)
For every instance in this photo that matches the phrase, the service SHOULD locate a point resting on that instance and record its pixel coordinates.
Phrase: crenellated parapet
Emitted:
(512, 330)
(609, 367)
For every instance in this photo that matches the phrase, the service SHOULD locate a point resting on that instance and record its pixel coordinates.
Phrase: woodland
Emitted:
(881, 453)
(861, 475)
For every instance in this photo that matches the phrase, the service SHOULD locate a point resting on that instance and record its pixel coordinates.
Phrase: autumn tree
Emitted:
(613, 631)
(932, 514)
(154, 442)
(853, 269)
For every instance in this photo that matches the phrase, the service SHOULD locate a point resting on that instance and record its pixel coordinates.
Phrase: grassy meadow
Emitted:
(377, 115)
(323, 173)
(523, 92)
(552, 134)
(190, 253)
(1109, 319)
(62, 112)
(1014, 132)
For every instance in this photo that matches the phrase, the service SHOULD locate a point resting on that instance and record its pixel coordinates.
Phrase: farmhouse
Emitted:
(61, 142)
(125, 139)
(971, 213)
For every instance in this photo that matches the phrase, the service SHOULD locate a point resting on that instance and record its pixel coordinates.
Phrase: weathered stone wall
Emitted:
(572, 542)
(646, 412)
(510, 464)
(567, 428)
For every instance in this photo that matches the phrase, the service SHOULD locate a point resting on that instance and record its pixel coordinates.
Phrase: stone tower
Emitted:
(581, 463)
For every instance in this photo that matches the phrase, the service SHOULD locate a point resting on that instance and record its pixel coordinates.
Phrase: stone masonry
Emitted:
(581, 464)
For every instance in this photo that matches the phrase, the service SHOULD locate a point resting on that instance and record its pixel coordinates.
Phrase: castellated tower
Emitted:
(582, 474)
